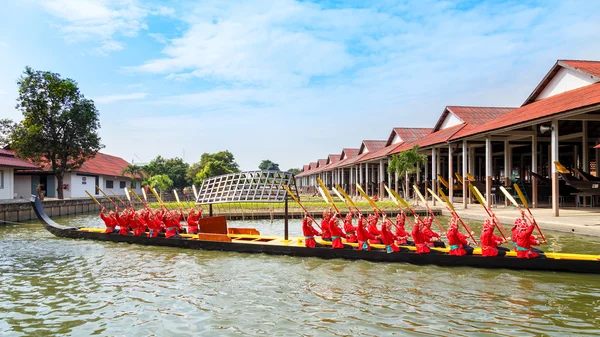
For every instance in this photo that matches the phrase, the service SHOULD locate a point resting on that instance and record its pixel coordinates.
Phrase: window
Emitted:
(1, 179)
(133, 184)
(109, 184)
(122, 184)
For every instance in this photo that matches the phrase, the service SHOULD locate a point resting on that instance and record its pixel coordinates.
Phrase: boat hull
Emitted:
(294, 248)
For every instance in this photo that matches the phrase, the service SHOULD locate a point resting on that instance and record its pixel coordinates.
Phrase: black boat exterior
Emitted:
(444, 260)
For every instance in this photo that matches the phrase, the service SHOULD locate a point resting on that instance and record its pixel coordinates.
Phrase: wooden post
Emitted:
(585, 158)
(465, 190)
(434, 171)
(553, 158)
(450, 174)
(488, 169)
(534, 167)
(506, 168)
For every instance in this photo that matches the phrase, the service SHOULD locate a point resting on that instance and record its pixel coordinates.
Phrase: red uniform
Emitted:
(326, 235)
(489, 241)
(419, 239)
(109, 221)
(388, 240)
(192, 222)
(309, 233)
(154, 224)
(336, 234)
(401, 233)
(363, 236)
(123, 220)
(456, 239)
(525, 240)
(139, 225)
(173, 225)
(350, 230)
(428, 235)
(372, 228)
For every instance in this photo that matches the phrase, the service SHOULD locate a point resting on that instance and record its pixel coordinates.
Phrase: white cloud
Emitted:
(101, 21)
(125, 97)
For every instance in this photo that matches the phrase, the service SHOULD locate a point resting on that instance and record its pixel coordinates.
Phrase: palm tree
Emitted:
(133, 171)
(405, 163)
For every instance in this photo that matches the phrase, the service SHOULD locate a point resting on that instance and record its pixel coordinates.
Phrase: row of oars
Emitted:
(401, 203)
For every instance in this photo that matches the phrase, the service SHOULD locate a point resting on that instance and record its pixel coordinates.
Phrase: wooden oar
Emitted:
(179, 204)
(299, 203)
(428, 208)
(452, 210)
(405, 205)
(397, 202)
(96, 200)
(158, 198)
(347, 197)
(343, 200)
(376, 208)
(144, 194)
(514, 202)
(328, 198)
(140, 199)
(116, 196)
(483, 203)
(459, 177)
(195, 194)
(129, 198)
(108, 198)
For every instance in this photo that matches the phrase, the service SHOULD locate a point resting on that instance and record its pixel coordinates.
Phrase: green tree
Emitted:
(59, 126)
(294, 171)
(7, 127)
(405, 163)
(135, 172)
(212, 165)
(268, 165)
(175, 168)
(161, 182)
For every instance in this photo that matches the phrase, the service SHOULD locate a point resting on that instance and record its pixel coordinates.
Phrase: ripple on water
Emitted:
(54, 286)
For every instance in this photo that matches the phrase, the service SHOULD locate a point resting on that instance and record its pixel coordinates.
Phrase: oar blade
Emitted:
(521, 196)
(508, 196)
(391, 195)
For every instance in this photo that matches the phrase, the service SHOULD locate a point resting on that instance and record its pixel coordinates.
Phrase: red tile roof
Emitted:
(563, 102)
(591, 68)
(350, 153)
(434, 138)
(333, 158)
(304, 168)
(471, 115)
(101, 164)
(8, 158)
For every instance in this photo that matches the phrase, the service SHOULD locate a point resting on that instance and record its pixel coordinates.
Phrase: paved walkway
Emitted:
(573, 220)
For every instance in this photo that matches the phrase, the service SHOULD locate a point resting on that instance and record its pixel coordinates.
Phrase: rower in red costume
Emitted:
(387, 237)
(192, 221)
(431, 238)
(139, 225)
(123, 220)
(154, 224)
(362, 235)
(109, 221)
(401, 234)
(326, 235)
(372, 228)
(418, 237)
(309, 232)
(490, 242)
(525, 240)
(350, 229)
(173, 225)
(459, 245)
(336, 233)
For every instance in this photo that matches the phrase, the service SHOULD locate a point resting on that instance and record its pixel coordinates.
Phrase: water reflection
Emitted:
(54, 286)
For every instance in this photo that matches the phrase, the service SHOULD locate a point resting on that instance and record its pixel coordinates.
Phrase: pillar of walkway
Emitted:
(396, 182)
(506, 168)
(389, 175)
(361, 178)
(585, 158)
(434, 171)
(367, 178)
(426, 177)
(450, 174)
(554, 158)
(465, 185)
(534, 166)
(381, 179)
(488, 169)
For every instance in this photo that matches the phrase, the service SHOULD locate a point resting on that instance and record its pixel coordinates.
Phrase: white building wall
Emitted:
(451, 120)
(565, 80)
(396, 139)
(23, 187)
(7, 190)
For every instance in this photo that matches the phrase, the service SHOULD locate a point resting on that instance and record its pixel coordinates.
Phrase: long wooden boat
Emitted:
(247, 240)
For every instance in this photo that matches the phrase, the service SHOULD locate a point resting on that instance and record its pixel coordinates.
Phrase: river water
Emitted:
(66, 287)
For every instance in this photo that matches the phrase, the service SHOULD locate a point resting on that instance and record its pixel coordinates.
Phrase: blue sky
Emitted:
(290, 81)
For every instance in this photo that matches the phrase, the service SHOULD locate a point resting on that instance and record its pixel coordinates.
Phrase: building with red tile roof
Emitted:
(8, 164)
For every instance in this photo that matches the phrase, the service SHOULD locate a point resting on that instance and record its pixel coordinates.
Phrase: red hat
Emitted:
(487, 224)
(453, 223)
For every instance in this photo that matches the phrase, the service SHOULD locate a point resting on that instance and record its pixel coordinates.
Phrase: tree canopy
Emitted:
(162, 182)
(174, 168)
(59, 126)
(267, 165)
(212, 165)
(294, 171)
(405, 163)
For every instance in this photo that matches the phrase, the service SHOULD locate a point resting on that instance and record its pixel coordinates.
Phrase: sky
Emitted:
(289, 81)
